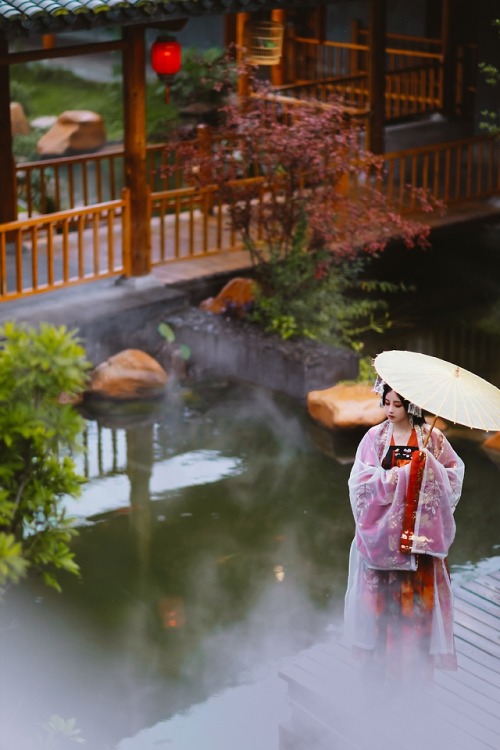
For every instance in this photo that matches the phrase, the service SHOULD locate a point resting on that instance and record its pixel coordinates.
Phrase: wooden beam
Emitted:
(134, 93)
(376, 76)
(8, 204)
(70, 50)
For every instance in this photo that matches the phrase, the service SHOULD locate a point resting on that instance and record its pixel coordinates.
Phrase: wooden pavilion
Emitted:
(416, 76)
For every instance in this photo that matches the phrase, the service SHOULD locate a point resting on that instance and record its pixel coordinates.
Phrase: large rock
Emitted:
(345, 406)
(491, 446)
(18, 121)
(130, 374)
(234, 299)
(493, 442)
(74, 130)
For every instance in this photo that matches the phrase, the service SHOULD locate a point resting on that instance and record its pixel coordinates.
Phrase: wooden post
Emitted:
(230, 40)
(278, 71)
(317, 21)
(376, 76)
(8, 204)
(134, 93)
(243, 81)
(354, 57)
(204, 138)
(449, 63)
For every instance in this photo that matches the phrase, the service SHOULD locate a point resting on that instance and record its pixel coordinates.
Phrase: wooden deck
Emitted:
(333, 707)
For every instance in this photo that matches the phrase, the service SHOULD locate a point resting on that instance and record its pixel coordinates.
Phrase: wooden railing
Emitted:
(413, 78)
(351, 91)
(314, 60)
(466, 62)
(188, 223)
(64, 248)
(82, 244)
(400, 41)
(74, 181)
(457, 172)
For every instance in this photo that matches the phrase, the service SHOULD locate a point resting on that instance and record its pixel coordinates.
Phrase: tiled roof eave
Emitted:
(35, 17)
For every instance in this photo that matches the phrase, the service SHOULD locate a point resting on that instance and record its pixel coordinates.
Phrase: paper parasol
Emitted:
(441, 388)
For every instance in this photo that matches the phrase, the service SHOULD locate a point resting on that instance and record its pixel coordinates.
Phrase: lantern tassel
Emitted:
(167, 93)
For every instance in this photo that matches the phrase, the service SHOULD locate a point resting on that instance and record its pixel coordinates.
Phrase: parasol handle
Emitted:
(432, 427)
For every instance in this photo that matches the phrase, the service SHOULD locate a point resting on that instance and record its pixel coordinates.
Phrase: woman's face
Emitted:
(394, 409)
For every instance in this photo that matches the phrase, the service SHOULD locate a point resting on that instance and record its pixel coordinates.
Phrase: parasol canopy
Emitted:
(441, 388)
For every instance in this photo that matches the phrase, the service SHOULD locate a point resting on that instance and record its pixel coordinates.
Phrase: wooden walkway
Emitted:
(333, 707)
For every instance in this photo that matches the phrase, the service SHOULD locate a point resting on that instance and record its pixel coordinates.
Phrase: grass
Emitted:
(44, 90)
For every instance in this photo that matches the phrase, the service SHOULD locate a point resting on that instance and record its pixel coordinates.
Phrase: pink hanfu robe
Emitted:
(399, 602)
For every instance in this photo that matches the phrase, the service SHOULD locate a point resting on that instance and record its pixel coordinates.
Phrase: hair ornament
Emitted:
(415, 410)
(378, 386)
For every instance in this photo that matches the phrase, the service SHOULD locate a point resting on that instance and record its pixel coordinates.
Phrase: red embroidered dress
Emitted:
(399, 603)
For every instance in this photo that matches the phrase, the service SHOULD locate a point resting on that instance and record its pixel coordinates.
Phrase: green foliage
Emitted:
(168, 333)
(204, 78)
(303, 294)
(366, 372)
(25, 145)
(40, 372)
(491, 75)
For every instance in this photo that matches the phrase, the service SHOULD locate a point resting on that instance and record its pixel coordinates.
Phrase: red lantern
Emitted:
(166, 58)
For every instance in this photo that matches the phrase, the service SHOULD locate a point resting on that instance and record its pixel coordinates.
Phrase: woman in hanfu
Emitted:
(404, 486)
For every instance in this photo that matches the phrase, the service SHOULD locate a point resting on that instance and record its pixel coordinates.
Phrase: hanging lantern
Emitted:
(166, 59)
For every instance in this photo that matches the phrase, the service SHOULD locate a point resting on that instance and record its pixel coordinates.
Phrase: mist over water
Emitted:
(214, 542)
(194, 593)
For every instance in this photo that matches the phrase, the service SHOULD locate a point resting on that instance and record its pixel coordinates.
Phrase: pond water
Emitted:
(214, 537)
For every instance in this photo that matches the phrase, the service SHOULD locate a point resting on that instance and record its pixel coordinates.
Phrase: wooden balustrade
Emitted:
(69, 182)
(315, 60)
(401, 41)
(189, 223)
(64, 248)
(80, 244)
(461, 171)
(413, 80)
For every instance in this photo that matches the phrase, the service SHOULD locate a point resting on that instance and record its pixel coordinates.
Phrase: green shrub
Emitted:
(38, 433)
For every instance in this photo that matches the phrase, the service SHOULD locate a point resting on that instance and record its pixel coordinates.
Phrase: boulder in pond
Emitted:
(345, 406)
(130, 374)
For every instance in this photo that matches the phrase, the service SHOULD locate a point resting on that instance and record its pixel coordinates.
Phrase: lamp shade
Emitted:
(166, 56)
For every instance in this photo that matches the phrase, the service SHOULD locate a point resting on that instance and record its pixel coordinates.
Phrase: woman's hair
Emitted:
(404, 401)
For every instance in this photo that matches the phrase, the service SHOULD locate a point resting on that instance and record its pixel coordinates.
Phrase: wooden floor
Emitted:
(335, 707)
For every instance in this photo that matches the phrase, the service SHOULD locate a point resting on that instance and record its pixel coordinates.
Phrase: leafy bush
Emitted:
(38, 432)
(490, 120)
(306, 200)
(303, 295)
(205, 78)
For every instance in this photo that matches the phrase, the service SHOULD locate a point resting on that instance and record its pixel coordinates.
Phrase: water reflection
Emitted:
(214, 541)
(214, 538)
